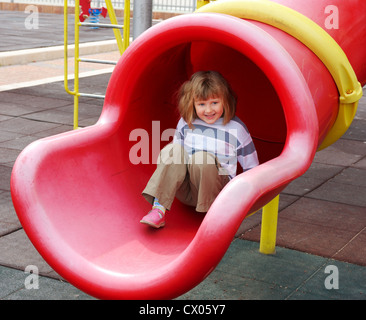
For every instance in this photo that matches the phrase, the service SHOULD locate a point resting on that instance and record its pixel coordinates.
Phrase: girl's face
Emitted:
(209, 110)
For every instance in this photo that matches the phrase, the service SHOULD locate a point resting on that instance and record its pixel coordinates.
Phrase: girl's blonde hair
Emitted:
(204, 85)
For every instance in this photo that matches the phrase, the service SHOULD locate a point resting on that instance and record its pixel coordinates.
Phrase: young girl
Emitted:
(209, 141)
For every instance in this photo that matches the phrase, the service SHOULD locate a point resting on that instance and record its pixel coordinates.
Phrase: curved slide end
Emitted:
(78, 194)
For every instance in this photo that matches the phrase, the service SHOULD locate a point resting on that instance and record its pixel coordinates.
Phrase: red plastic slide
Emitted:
(78, 194)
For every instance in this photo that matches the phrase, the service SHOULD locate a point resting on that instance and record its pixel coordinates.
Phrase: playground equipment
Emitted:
(94, 17)
(87, 11)
(82, 11)
(77, 194)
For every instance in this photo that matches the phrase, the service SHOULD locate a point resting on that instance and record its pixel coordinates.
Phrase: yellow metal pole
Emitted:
(269, 227)
(66, 85)
(112, 17)
(126, 25)
(76, 67)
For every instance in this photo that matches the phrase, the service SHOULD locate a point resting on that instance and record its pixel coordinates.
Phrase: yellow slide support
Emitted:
(269, 227)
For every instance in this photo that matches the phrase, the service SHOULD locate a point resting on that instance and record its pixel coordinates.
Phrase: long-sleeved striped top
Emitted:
(230, 143)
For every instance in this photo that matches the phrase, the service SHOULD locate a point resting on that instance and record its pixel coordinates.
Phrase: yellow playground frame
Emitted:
(122, 42)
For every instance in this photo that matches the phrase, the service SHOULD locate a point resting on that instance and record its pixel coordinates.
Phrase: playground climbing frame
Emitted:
(122, 42)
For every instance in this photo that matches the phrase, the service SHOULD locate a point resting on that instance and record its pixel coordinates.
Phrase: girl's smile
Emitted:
(209, 110)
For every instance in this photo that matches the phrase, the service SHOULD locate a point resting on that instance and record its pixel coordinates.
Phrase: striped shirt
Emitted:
(230, 143)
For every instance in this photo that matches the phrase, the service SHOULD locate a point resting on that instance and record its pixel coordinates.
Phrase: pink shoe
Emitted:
(155, 218)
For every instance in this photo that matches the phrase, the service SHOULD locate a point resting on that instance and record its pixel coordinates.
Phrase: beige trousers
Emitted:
(194, 181)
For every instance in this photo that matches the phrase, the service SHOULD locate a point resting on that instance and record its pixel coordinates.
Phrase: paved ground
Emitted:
(16, 36)
(322, 221)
